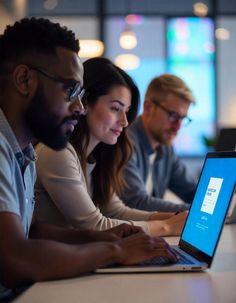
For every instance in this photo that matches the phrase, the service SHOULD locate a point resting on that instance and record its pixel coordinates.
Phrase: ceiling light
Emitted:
(127, 61)
(134, 19)
(50, 4)
(91, 48)
(200, 9)
(222, 34)
(128, 39)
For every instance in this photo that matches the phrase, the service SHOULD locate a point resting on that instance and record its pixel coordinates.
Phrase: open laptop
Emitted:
(205, 220)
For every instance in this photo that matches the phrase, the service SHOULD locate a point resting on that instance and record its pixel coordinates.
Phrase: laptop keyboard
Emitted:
(157, 261)
(183, 259)
(164, 260)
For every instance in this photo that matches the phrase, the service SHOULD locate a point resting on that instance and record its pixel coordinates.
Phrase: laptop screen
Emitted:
(210, 204)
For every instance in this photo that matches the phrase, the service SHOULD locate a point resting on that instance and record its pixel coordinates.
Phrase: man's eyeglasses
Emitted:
(74, 89)
(173, 116)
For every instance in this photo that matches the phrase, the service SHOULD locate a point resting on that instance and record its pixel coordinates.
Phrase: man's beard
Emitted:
(160, 137)
(44, 124)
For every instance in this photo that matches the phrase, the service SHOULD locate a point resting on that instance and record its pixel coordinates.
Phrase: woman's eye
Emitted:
(115, 108)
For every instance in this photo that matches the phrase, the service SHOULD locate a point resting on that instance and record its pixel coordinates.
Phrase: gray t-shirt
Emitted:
(17, 178)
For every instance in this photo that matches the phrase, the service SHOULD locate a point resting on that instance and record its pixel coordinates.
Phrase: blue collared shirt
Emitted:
(169, 172)
(17, 178)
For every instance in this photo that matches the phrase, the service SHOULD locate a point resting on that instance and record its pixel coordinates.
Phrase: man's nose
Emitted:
(177, 124)
(78, 107)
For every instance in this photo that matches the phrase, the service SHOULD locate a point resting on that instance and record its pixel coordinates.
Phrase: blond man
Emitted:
(154, 166)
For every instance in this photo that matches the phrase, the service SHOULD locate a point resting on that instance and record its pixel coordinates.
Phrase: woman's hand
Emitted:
(161, 216)
(169, 227)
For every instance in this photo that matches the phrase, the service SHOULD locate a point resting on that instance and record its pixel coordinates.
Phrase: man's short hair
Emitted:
(161, 86)
(32, 35)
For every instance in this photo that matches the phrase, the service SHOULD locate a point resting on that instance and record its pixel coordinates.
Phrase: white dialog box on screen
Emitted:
(211, 196)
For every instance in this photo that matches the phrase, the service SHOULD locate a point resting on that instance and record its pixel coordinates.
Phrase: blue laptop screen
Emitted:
(210, 204)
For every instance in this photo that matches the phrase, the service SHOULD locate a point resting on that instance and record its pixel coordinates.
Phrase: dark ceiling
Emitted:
(112, 7)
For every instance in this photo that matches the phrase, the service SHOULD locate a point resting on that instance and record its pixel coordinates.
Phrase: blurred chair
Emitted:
(226, 139)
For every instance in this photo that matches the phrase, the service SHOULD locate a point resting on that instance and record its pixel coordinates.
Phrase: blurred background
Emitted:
(192, 39)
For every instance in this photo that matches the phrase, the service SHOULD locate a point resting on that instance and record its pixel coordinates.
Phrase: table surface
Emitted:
(216, 285)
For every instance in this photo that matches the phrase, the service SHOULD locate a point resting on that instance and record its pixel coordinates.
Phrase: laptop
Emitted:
(205, 221)
(226, 140)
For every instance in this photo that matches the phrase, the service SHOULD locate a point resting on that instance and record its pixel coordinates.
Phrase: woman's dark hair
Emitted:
(100, 76)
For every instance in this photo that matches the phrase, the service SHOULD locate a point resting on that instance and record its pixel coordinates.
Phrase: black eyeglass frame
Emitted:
(76, 90)
(173, 116)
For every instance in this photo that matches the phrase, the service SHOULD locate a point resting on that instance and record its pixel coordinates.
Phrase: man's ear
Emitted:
(22, 78)
(147, 106)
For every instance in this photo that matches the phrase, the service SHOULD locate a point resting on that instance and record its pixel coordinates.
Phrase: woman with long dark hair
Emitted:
(79, 186)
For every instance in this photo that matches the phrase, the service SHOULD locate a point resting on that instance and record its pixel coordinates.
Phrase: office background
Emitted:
(171, 37)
